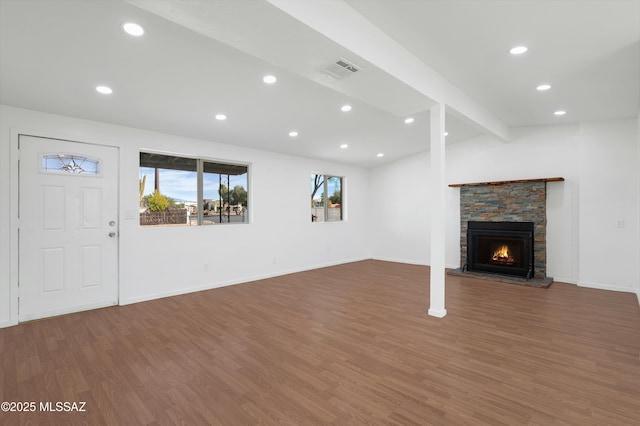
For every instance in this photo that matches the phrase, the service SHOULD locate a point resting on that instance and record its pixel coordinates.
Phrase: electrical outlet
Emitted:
(205, 267)
(275, 260)
(620, 223)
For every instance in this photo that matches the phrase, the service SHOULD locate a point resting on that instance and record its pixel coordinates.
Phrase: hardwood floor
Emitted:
(345, 345)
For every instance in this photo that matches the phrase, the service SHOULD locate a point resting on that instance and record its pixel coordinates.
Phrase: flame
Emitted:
(501, 253)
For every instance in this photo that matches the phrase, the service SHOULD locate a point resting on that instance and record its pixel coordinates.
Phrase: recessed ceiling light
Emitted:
(560, 112)
(446, 133)
(344, 146)
(133, 29)
(346, 108)
(269, 79)
(104, 90)
(518, 50)
(409, 120)
(221, 117)
(380, 155)
(293, 133)
(543, 87)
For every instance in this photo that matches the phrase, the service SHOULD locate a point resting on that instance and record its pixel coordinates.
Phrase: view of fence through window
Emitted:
(188, 191)
(326, 198)
(224, 193)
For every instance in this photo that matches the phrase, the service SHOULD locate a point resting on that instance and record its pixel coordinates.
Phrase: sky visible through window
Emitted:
(333, 185)
(182, 185)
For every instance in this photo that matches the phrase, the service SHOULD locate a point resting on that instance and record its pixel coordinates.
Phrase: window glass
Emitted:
(334, 198)
(225, 193)
(169, 188)
(326, 198)
(70, 164)
(317, 198)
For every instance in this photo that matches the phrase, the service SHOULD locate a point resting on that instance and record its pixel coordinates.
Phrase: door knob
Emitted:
(112, 234)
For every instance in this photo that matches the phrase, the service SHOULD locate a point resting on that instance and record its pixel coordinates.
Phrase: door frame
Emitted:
(14, 198)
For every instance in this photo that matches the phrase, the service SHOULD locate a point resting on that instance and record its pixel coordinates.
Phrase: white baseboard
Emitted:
(411, 262)
(407, 261)
(601, 286)
(8, 323)
(565, 280)
(146, 298)
(210, 286)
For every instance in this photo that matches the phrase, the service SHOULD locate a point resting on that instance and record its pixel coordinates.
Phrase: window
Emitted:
(70, 164)
(224, 193)
(189, 191)
(326, 198)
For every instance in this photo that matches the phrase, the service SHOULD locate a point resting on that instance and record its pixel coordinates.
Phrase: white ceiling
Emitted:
(589, 51)
(198, 58)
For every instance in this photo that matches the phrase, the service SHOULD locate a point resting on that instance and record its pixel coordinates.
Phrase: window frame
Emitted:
(201, 173)
(200, 161)
(326, 197)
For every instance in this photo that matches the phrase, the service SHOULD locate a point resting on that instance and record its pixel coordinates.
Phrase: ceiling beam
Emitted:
(339, 22)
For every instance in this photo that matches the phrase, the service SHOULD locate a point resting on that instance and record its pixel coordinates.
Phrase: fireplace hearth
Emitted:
(501, 248)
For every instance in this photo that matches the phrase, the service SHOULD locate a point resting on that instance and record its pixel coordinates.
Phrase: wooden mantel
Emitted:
(502, 182)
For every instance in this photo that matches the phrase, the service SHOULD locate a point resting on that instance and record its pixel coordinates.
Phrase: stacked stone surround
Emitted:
(507, 202)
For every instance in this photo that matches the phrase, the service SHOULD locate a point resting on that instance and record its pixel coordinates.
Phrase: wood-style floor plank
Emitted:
(346, 345)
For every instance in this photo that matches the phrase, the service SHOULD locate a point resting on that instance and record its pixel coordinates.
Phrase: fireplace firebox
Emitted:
(500, 248)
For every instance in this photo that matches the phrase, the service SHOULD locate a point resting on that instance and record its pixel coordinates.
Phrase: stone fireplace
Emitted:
(503, 228)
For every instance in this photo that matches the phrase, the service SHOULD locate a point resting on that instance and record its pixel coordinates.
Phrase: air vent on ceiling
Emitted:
(340, 69)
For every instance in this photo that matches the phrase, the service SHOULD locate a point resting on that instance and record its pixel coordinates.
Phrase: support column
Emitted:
(438, 217)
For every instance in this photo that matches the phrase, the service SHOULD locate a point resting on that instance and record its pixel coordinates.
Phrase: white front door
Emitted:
(68, 227)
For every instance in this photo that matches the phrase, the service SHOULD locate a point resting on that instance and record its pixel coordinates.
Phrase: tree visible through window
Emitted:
(326, 198)
(189, 191)
(224, 193)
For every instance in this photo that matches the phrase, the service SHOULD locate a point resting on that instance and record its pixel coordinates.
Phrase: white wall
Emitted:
(599, 161)
(161, 261)
(399, 209)
(638, 219)
(608, 195)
